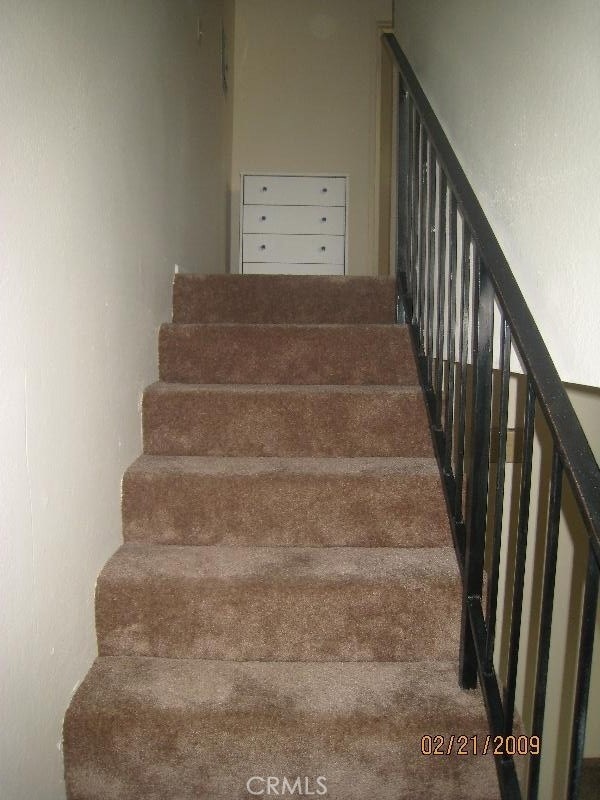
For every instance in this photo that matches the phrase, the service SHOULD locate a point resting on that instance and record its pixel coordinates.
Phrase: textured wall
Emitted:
(112, 169)
(516, 87)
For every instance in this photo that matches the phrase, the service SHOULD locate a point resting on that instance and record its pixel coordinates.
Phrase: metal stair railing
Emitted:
(456, 290)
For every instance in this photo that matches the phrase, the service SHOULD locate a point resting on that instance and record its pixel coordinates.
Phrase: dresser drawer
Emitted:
(307, 249)
(329, 220)
(249, 268)
(287, 190)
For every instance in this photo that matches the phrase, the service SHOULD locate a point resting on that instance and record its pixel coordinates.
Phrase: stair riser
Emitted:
(283, 299)
(263, 423)
(285, 508)
(287, 355)
(362, 735)
(274, 617)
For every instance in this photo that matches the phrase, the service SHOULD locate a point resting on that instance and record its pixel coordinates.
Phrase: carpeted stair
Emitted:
(286, 603)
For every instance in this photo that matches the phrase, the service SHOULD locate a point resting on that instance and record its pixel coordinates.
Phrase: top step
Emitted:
(300, 299)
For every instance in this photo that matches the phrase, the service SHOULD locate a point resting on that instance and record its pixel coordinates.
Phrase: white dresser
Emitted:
(293, 224)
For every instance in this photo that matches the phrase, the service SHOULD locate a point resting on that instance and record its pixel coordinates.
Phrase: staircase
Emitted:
(286, 603)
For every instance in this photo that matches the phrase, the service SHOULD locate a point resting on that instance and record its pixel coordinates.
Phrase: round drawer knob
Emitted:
(263, 219)
(323, 219)
(323, 249)
(324, 190)
(264, 189)
(263, 247)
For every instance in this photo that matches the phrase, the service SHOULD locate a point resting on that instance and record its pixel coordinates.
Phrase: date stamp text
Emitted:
(463, 745)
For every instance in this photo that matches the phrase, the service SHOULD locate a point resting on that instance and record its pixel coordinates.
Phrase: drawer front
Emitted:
(330, 220)
(286, 190)
(292, 269)
(278, 248)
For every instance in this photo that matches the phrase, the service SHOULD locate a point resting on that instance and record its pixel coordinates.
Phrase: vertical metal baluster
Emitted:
(452, 262)
(477, 499)
(584, 673)
(464, 353)
(410, 201)
(416, 218)
(432, 169)
(415, 242)
(541, 678)
(492, 594)
(441, 308)
(521, 552)
(423, 242)
(402, 169)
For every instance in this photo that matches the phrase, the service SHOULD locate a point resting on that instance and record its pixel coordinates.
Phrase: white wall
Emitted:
(515, 86)
(112, 169)
(306, 101)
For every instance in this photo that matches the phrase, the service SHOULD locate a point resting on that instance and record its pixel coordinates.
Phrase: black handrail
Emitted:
(428, 274)
(573, 445)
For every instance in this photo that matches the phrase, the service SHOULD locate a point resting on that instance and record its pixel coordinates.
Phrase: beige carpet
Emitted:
(285, 607)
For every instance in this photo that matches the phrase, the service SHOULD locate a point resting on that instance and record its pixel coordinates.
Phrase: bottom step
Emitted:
(152, 729)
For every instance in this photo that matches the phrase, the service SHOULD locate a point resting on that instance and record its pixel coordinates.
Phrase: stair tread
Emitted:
(359, 725)
(319, 687)
(312, 280)
(135, 560)
(396, 329)
(280, 388)
(301, 465)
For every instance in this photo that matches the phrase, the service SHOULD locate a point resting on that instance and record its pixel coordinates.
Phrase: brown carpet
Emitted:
(212, 420)
(589, 788)
(359, 502)
(299, 354)
(286, 603)
(281, 299)
(278, 603)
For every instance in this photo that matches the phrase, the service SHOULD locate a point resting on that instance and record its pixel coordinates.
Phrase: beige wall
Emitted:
(112, 169)
(515, 85)
(305, 101)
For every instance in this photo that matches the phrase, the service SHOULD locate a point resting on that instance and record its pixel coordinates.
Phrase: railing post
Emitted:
(403, 205)
(477, 486)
